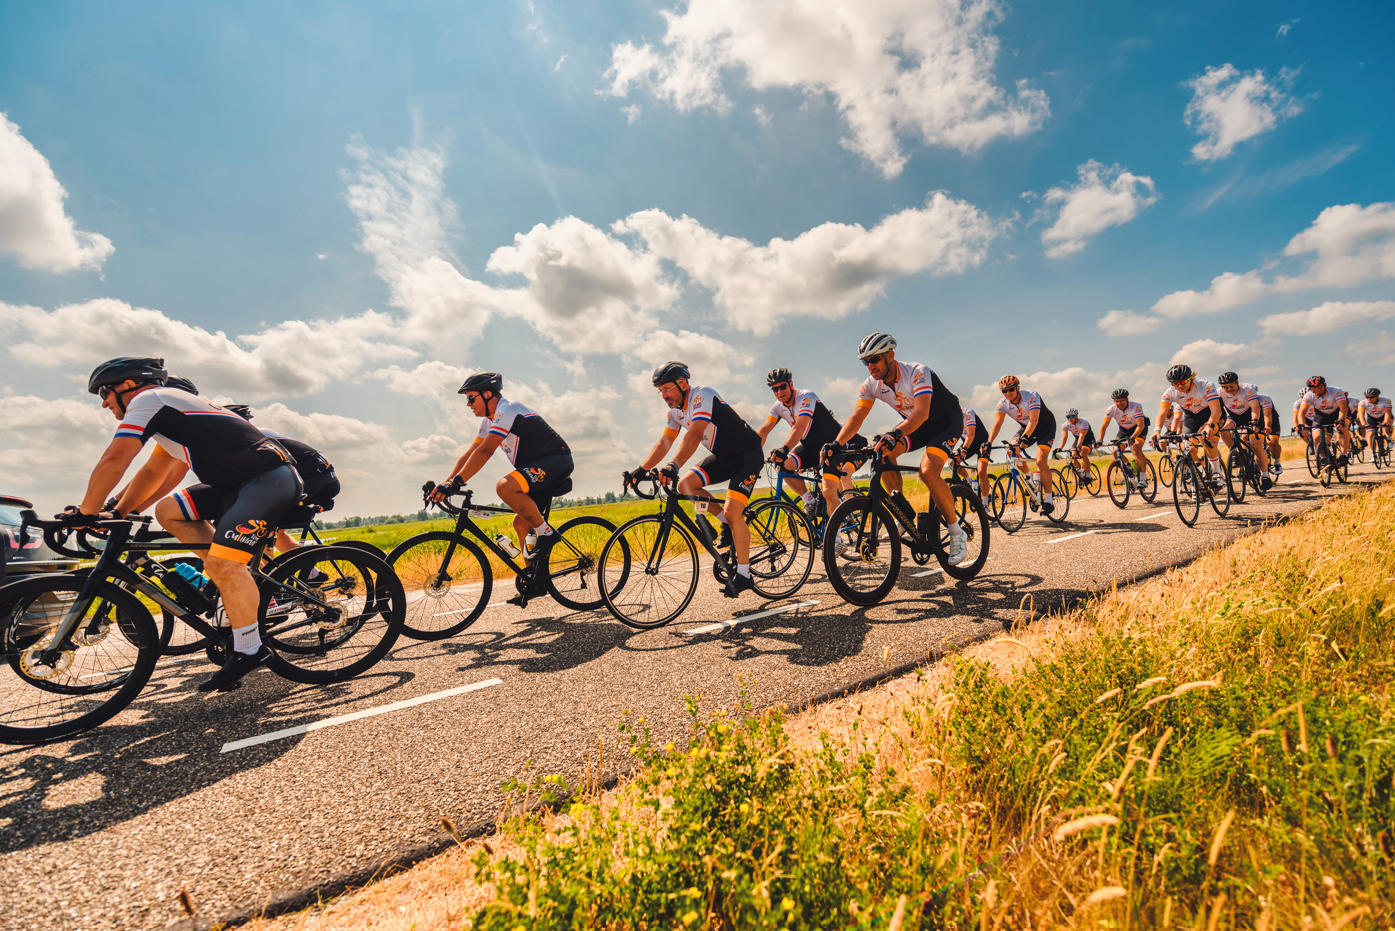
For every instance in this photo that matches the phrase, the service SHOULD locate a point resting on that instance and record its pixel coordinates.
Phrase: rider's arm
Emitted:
(997, 425)
(1032, 418)
(1164, 412)
(1300, 416)
(1064, 434)
(108, 472)
(475, 457)
(155, 479)
(661, 448)
(799, 430)
(1217, 412)
(691, 439)
(1257, 410)
(1104, 428)
(765, 428)
(854, 422)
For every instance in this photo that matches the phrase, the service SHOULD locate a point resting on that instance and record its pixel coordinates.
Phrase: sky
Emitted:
(335, 212)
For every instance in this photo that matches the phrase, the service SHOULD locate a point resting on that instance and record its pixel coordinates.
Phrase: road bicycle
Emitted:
(663, 548)
(1019, 488)
(1323, 454)
(1123, 477)
(818, 516)
(449, 579)
(78, 648)
(1243, 473)
(1358, 444)
(876, 527)
(1165, 462)
(1193, 483)
(1380, 449)
(1078, 473)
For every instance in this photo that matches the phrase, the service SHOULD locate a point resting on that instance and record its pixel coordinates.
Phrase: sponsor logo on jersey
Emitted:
(535, 475)
(253, 528)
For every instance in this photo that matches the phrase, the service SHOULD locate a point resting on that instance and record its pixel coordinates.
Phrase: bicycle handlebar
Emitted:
(632, 481)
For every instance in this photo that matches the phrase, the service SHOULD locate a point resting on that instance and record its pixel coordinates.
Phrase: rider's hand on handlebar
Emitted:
(888, 441)
(668, 474)
(779, 455)
(72, 517)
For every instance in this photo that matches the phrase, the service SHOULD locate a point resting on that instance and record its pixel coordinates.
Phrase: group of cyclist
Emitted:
(253, 482)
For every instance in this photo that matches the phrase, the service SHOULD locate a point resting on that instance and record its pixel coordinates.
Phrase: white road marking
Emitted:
(921, 575)
(1071, 536)
(722, 625)
(366, 713)
(1152, 516)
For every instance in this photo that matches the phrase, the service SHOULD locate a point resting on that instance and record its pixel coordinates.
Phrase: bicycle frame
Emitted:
(878, 495)
(464, 522)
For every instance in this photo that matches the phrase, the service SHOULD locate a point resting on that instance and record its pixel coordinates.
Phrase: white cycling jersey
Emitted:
(970, 422)
(1196, 400)
(1374, 410)
(1021, 412)
(520, 426)
(1326, 403)
(1239, 402)
(1079, 428)
(1308, 417)
(912, 380)
(1128, 416)
(1266, 403)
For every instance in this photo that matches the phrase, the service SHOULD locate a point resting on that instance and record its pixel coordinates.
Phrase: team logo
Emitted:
(535, 475)
(253, 528)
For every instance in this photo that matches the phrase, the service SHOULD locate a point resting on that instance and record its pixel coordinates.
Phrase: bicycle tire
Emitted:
(1311, 453)
(1096, 484)
(574, 558)
(668, 579)
(1235, 464)
(974, 519)
(1221, 498)
(1060, 506)
(1059, 485)
(334, 630)
(1166, 471)
(876, 532)
(128, 660)
(1149, 492)
(1118, 484)
(1070, 481)
(462, 589)
(994, 502)
(782, 548)
(1186, 492)
(1013, 496)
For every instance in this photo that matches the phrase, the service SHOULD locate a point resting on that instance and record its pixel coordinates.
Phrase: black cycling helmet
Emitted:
(1316, 381)
(1229, 378)
(778, 375)
(1179, 372)
(241, 410)
(670, 372)
(1120, 394)
(115, 371)
(183, 384)
(1372, 392)
(874, 344)
(483, 381)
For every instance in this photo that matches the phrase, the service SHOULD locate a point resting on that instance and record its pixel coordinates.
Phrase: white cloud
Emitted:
(1326, 317)
(1103, 197)
(632, 113)
(1128, 323)
(1088, 391)
(761, 114)
(1207, 355)
(33, 224)
(558, 67)
(710, 360)
(920, 69)
(1228, 107)
(1286, 28)
(1383, 344)
(1353, 244)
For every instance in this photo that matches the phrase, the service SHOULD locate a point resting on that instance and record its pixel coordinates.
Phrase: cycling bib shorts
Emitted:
(542, 478)
(1044, 434)
(977, 445)
(1193, 421)
(939, 434)
(246, 516)
(739, 472)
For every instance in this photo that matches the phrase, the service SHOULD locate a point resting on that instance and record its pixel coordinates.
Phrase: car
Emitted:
(25, 553)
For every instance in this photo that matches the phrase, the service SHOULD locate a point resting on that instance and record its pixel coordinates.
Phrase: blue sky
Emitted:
(336, 190)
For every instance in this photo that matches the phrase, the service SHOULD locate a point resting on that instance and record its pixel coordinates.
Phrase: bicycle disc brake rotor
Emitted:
(93, 634)
(32, 667)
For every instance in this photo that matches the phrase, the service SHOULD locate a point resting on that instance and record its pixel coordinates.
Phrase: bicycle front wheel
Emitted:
(1012, 502)
(872, 538)
(1070, 480)
(1236, 474)
(1314, 465)
(329, 613)
(447, 579)
(1149, 492)
(1186, 490)
(974, 519)
(1220, 498)
(1060, 504)
(782, 548)
(574, 558)
(96, 671)
(1165, 470)
(659, 564)
(1118, 484)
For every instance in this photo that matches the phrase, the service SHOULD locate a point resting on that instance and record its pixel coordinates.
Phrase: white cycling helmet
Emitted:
(874, 344)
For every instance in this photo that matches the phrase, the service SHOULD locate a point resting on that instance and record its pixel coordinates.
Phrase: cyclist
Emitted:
(974, 443)
(1133, 426)
(161, 466)
(321, 484)
(1202, 413)
(1302, 419)
(1330, 407)
(542, 463)
(249, 482)
(812, 426)
(1242, 409)
(1037, 426)
(930, 419)
(1271, 434)
(1375, 415)
(1084, 439)
(734, 457)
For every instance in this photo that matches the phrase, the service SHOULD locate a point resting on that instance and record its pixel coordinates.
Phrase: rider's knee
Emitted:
(220, 570)
(167, 510)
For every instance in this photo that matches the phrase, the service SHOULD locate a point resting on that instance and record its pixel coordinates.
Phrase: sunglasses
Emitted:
(1007, 390)
(782, 386)
(1179, 384)
(471, 398)
(871, 359)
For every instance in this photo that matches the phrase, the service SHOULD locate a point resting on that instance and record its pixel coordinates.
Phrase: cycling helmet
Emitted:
(483, 381)
(1072, 413)
(1303, 392)
(778, 375)
(1179, 372)
(670, 372)
(183, 384)
(241, 410)
(115, 371)
(1008, 383)
(1372, 392)
(1120, 394)
(1316, 381)
(874, 344)
(1229, 378)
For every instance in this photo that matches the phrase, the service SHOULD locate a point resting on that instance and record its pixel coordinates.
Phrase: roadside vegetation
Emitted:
(1214, 748)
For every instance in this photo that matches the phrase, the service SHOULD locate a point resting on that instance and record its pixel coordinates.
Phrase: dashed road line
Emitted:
(1071, 536)
(723, 625)
(1152, 516)
(921, 575)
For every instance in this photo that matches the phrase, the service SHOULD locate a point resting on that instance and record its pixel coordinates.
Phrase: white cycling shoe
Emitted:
(958, 549)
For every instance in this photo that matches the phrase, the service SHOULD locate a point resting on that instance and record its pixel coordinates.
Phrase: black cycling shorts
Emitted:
(937, 434)
(1088, 440)
(1325, 420)
(856, 441)
(245, 517)
(806, 452)
(1193, 421)
(1241, 420)
(1271, 422)
(739, 472)
(1044, 434)
(976, 446)
(544, 477)
(1374, 424)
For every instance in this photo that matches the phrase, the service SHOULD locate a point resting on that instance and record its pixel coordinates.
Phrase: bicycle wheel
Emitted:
(98, 670)
(868, 577)
(782, 548)
(1186, 490)
(1060, 504)
(1165, 470)
(1059, 482)
(572, 562)
(993, 500)
(1149, 491)
(1236, 474)
(447, 579)
(1118, 484)
(329, 613)
(974, 519)
(1221, 498)
(1096, 482)
(660, 562)
(1311, 453)
(1070, 480)
(1012, 514)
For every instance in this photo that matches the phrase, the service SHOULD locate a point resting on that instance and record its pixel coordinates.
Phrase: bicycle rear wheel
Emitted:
(659, 562)
(1070, 480)
(1096, 482)
(974, 519)
(1165, 470)
(992, 499)
(1186, 490)
(329, 613)
(1011, 502)
(1221, 498)
(869, 576)
(1236, 474)
(1060, 504)
(574, 558)
(782, 548)
(447, 580)
(1149, 492)
(98, 670)
(1118, 484)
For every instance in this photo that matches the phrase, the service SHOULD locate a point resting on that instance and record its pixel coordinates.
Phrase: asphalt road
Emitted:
(104, 830)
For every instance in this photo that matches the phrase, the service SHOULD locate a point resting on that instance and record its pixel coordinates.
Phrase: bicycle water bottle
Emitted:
(506, 545)
(183, 585)
(530, 542)
(195, 577)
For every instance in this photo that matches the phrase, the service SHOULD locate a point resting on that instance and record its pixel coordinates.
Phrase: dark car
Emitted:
(31, 556)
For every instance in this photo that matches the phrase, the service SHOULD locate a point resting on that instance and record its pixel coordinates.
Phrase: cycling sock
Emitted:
(1215, 465)
(810, 502)
(543, 530)
(1047, 496)
(955, 530)
(247, 639)
(722, 516)
(744, 569)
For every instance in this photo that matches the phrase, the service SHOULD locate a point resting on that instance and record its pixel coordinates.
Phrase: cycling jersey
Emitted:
(527, 437)
(1308, 417)
(1021, 412)
(223, 449)
(911, 381)
(819, 421)
(723, 430)
(1127, 417)
(1079, 428)
(1328, 403)
(1266, 403)
(970, 421)
(1374, 410)
(1239, 402)
(1195, 400)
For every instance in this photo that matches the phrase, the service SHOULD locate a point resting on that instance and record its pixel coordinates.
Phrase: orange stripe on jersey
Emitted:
(670, 432)
(864, 402)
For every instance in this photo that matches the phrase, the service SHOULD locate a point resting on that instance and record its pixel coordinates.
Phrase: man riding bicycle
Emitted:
(316, 472)
(1084, 439)
(1037, 427)
(248, 483)
(930, 419)
(1375, 415)
(812, 426)
(1270, 423)
(734, 457)
(1330, 408)
(1133, 427)
(542, 463)
(974, 444)
(1202, 413)
(1242, 408)
(1302, 418)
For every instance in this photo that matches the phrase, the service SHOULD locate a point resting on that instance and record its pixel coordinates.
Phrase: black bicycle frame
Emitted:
(877, 494)
(463, 522)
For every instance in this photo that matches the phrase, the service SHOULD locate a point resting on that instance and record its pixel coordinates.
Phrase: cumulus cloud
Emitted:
(1128, 323)
(50, 444)
(1207, 355)
(1078, 387)
(1326, 317)
(1383, 344)
(34, 227)
(1228, 107)
(921, 69)
(1101, 198)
